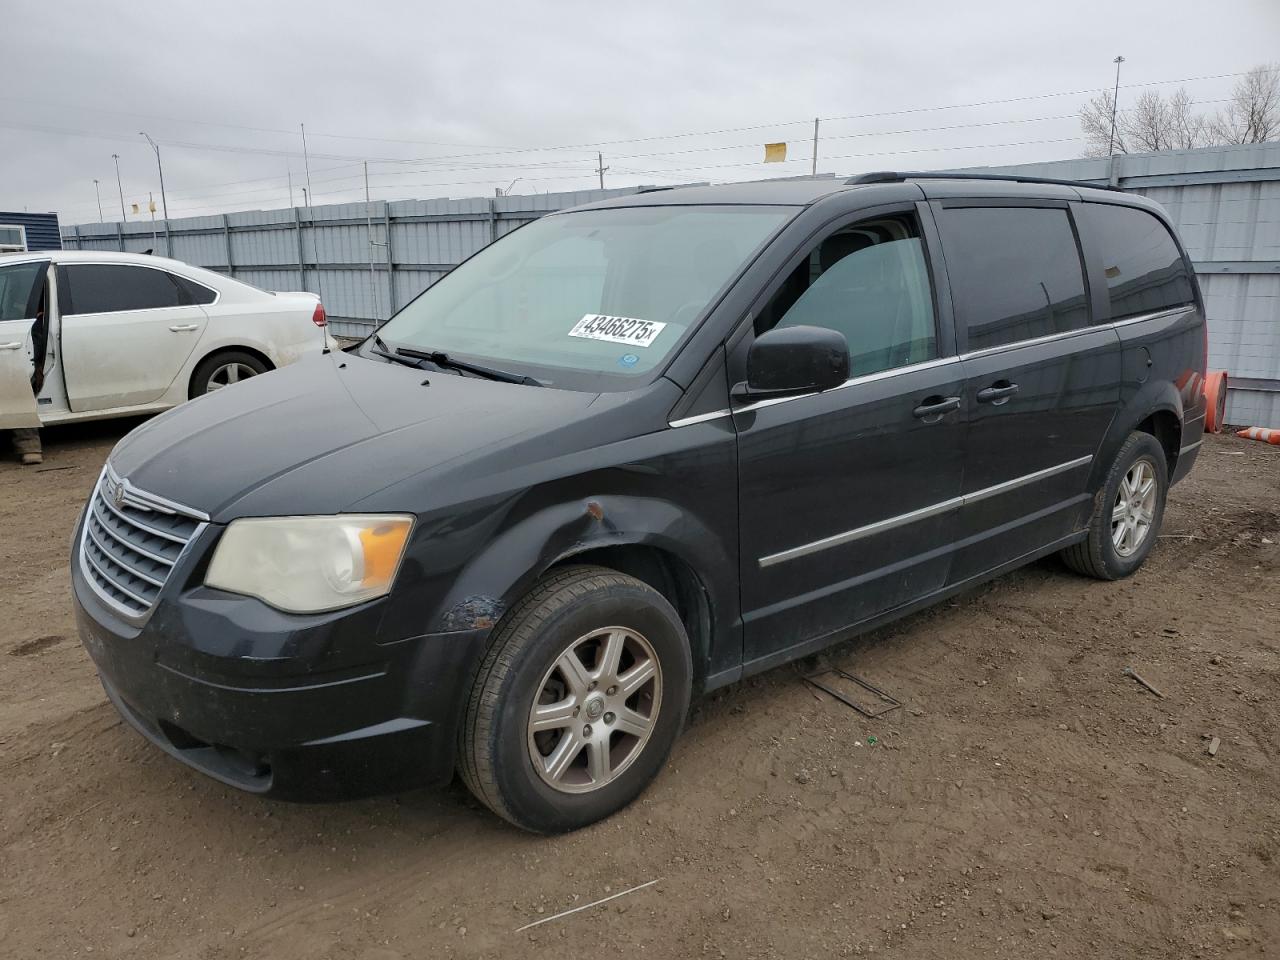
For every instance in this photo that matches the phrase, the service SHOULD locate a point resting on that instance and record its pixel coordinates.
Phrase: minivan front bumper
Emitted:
(204, 679)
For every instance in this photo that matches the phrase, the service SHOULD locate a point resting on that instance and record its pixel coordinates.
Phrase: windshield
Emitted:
(587, 300)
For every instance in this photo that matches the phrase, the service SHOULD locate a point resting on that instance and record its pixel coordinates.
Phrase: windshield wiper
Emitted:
(381, 350)
(442, 359)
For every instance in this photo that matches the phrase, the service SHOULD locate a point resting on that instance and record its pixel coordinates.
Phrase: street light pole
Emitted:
(164, 203)
(98, 193)
(1115, 101)
(116, 158)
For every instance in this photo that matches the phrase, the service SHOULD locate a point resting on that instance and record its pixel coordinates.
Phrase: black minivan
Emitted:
(633, 451)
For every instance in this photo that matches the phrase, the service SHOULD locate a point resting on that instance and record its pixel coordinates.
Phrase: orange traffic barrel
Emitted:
(1260, 433)
(1215, 399)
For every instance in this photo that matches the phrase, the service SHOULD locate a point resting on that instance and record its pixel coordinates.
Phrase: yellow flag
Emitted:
(135, 207)
(775, 152)
(151, 204)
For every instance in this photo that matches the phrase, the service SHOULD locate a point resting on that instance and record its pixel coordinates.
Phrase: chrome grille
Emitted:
(131, 541)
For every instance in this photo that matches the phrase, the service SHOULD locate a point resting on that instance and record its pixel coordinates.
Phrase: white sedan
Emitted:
(118, 334)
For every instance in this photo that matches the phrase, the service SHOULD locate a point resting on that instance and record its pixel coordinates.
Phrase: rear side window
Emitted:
(192, 292)
(20, 287)
(1144, 269)
(113, 287)
(1015, 273)
(870, 282)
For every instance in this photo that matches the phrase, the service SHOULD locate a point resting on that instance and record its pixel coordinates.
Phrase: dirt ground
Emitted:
(1028, 800)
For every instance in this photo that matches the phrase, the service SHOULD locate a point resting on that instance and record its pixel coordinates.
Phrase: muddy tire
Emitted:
(1127, 512)
(577, 702)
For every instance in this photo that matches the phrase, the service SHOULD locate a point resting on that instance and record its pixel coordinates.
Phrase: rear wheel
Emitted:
(223, 369)
(578, 701)
(1127, 512)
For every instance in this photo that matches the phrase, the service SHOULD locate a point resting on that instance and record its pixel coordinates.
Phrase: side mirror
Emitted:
(793, 360)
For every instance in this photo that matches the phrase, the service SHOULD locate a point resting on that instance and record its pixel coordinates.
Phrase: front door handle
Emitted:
(999, 392)
(184, 327)
(10, 346)
(932, 409)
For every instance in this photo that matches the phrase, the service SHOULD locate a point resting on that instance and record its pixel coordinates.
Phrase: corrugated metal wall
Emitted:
(1225, 203)
(41, 229)
(328, 250)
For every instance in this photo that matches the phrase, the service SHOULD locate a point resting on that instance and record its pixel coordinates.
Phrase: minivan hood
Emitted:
(317, 436)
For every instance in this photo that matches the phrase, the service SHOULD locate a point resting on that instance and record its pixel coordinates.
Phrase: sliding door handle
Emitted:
(998, 392)
(932, 409)
(11, 346)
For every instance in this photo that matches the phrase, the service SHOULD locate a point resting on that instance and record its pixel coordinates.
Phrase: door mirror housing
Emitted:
(794, 360)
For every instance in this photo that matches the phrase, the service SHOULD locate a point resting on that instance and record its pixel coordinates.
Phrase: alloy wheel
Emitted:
(1134, 509)
(228, 374)
(595, 709)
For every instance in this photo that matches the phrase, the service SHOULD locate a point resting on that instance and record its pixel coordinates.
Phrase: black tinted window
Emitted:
(1144, 269)
(869, 282)
(111, 287)
(20, 287)
(1015, 273)
(193, 292)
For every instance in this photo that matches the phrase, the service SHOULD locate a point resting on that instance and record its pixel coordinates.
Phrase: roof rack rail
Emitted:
(893, 176)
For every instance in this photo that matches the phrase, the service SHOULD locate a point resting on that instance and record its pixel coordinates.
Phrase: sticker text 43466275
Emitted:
(628, 330)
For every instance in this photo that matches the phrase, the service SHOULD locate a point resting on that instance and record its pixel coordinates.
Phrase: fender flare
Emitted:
(1154, 397)
(492, 581)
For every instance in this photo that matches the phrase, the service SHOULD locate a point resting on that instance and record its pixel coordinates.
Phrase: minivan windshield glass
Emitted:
(587, 300)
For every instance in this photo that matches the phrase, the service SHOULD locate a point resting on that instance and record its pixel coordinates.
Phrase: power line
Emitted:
(502, 151)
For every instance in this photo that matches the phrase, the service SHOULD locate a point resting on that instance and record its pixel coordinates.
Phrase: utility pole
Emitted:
(814, 170)
(164, 203)
(305, 201)
(116, 158)
(306, 160)
(98, 193)
(288, 172)
(600, 168)
(373, 273)
(1115, 100)
(151, 203)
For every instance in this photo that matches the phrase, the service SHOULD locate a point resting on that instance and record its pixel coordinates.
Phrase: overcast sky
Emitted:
(449, 99)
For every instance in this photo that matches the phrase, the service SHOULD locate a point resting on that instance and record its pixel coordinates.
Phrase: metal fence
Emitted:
(364, 260)
(1225, 203)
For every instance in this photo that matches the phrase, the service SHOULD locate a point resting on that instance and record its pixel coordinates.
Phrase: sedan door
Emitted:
(848, 498)
(127, 331)
(20, 287)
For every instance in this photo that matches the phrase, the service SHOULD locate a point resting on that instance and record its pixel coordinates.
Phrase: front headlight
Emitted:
(310, 564)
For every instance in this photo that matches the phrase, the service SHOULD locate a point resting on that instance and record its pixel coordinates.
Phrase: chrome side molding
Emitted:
(933, 510)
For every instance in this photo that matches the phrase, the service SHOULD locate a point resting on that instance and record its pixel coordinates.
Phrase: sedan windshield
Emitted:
(587, 300)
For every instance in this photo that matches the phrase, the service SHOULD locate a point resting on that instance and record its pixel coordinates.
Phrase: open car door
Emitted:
(21, 289)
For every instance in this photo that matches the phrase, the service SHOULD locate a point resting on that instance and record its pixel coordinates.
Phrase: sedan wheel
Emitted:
(228, 374)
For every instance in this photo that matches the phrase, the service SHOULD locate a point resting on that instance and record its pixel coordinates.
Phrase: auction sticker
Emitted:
(628, 330)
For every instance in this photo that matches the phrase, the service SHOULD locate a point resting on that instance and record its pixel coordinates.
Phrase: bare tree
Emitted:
(1253, 113)
(1147, 123)
(1187, 129)
(1095, 123)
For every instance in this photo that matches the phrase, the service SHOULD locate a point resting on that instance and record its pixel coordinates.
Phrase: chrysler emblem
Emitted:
(117, 495)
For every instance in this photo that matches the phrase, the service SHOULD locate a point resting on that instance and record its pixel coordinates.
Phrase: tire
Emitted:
(553, 780)
(213, 370)
(1102, 555)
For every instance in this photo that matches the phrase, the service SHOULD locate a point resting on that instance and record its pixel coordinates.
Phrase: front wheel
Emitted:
(1127, 512)
(578, 701)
